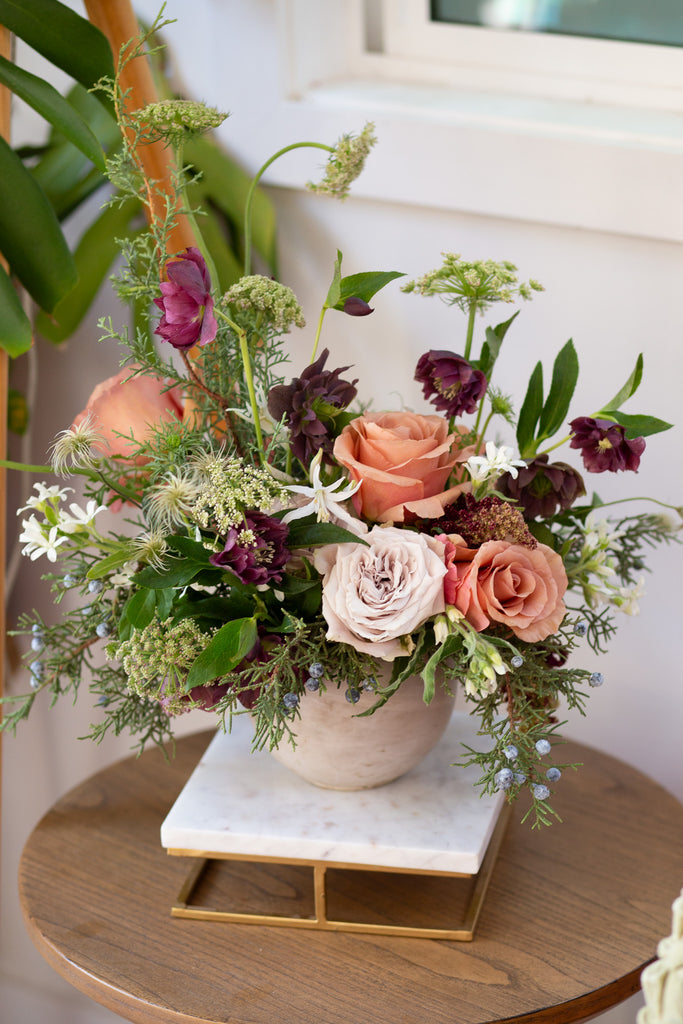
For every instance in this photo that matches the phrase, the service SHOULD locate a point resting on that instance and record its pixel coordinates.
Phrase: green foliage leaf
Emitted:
(15, 328)
(45, 99)
(308, 533)
(562, 387)
(94, 256)
(364, 286)
(530, 412)
(638, 426)
(110, 563)
(224, 651)
(491, 347)
(334, 293)
(177, 572)
(630, 387)
(140, 607)
(63, 37)
(192, 549)
(30, 236)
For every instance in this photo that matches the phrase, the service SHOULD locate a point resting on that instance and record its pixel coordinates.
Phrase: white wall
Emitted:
(615, 293)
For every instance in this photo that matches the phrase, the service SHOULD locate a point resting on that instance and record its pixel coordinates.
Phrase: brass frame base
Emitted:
(464, 932)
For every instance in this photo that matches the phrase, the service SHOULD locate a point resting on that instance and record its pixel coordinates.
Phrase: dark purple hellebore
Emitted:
(450, 383)
(256, 560)
(604, 445)
(542, 488)
(310, 404)
(353, 306)
(186, 302)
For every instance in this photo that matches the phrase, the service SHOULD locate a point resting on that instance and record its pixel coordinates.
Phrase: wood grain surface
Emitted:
(572, 915)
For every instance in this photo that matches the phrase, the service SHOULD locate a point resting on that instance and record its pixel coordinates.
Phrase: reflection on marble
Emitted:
(432, 819)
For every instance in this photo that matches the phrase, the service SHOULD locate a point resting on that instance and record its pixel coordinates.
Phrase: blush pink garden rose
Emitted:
(517, 586)
(376, 593)
(118, 405)
(403, 460)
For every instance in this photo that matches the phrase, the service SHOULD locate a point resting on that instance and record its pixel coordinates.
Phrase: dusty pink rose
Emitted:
(517, 586)
(403, 460)
(125, 406)
(376, 593)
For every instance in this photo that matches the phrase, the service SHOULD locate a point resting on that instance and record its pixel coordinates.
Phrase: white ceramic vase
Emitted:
(335, 749)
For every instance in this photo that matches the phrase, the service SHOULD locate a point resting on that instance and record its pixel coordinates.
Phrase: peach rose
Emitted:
(125, 406)
(518, 586)
(402, 460)
(378, 592)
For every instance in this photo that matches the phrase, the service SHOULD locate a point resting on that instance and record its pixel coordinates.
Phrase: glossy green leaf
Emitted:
(223, 653)
(364, 286)
(15, 329)
(139, 609)
(334, 291)
(30, 237)
(308, 532)
(177, 572)
(530, 412)
(112, 562)
(47, 102)
(638, 426)
(562, 387)
(630, 387)
(491, 347)
(66, 39)
(94, 256)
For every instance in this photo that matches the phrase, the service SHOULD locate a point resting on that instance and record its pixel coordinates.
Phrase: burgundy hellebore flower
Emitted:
(354, 306)
(259, 560)
(451, 383)
(604, 445)
(310, 404)
(186, 302)
(541, 489)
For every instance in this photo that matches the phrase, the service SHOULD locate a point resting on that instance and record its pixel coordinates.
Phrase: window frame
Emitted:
(455, 145)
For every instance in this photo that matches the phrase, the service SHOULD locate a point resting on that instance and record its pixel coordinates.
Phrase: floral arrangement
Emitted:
(247, 534)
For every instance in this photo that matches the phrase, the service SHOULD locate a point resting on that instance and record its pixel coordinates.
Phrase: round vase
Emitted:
(335, 749)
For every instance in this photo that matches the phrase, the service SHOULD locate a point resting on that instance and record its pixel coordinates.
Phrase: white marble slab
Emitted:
(241, 803)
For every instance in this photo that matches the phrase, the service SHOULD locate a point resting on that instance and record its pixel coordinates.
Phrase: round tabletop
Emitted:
(572, 915)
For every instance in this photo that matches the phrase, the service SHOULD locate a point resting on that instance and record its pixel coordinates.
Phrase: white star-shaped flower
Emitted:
(325, 500)
(45, 493)
(37, 542)
(79, 518)
(494, 463)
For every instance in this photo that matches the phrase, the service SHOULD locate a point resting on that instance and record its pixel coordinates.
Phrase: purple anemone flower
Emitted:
(450, 383)
(310, 404)
(542, 488)
(604, 445)
(255, 552)
(186, 302)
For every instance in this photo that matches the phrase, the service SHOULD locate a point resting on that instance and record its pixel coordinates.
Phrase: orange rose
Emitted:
(518, 586)
(402, 460)
(132, 406)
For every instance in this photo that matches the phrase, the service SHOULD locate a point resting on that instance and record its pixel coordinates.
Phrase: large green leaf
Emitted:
(364, 286)
(562, 387)
(15, 329)
(30, 236)
(638, 426)
(45, 99)
(63, 37)
(630, 387)
(530, 412)
(224, 651)
(94, 256)
(491, 347)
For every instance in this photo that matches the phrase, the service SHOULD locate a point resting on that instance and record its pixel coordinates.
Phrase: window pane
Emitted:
(638, 21)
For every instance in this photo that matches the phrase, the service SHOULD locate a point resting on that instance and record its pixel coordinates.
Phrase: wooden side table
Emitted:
(572, 915)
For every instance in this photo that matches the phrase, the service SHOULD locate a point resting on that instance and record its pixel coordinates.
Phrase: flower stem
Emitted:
(470, 330)
(252, 189)
(317, 333)
(249, 378)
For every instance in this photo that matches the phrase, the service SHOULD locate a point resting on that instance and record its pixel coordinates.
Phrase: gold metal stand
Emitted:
(315, 912)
